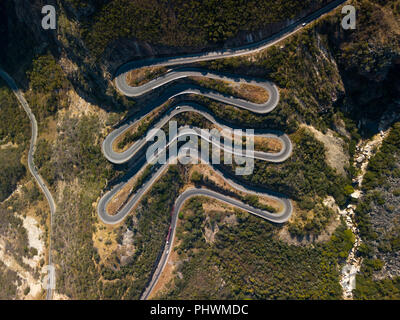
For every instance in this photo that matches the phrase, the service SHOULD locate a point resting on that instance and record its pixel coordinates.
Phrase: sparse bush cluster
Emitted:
(48, 86)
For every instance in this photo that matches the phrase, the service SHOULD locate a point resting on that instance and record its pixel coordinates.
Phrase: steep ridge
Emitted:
(126, 89)
(32, 167)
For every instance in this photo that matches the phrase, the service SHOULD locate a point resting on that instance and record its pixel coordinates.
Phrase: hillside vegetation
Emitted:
(14, 137)
(328, 79)
(378, 218)
(192, 23)
(246, 261)
(48, 86)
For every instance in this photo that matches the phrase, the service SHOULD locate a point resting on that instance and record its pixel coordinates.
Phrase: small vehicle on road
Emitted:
(178, 108)
(304, 24)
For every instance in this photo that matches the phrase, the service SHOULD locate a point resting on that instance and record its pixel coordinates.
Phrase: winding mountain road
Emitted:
(20, 96)
(178, 73)
(280, 217)
(121, 157)
(231, 52)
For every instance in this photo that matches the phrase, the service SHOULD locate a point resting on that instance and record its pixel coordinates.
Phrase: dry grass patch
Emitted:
(267, 144)
(166, 280)
(121, 196)
(208, 172)
(105, 240)
(252, 93)
(143, 75)
(244, 91)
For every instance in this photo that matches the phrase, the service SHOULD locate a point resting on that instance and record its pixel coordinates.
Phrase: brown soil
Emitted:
(252, 93)
(143, 75)
(167, 276)
(206, 171)
(260, 143)
(245, 91)
(104, 240)
(121, 196)
(267, 144)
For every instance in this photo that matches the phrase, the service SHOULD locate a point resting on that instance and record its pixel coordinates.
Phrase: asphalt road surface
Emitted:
(178, 73)
(122, 157)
